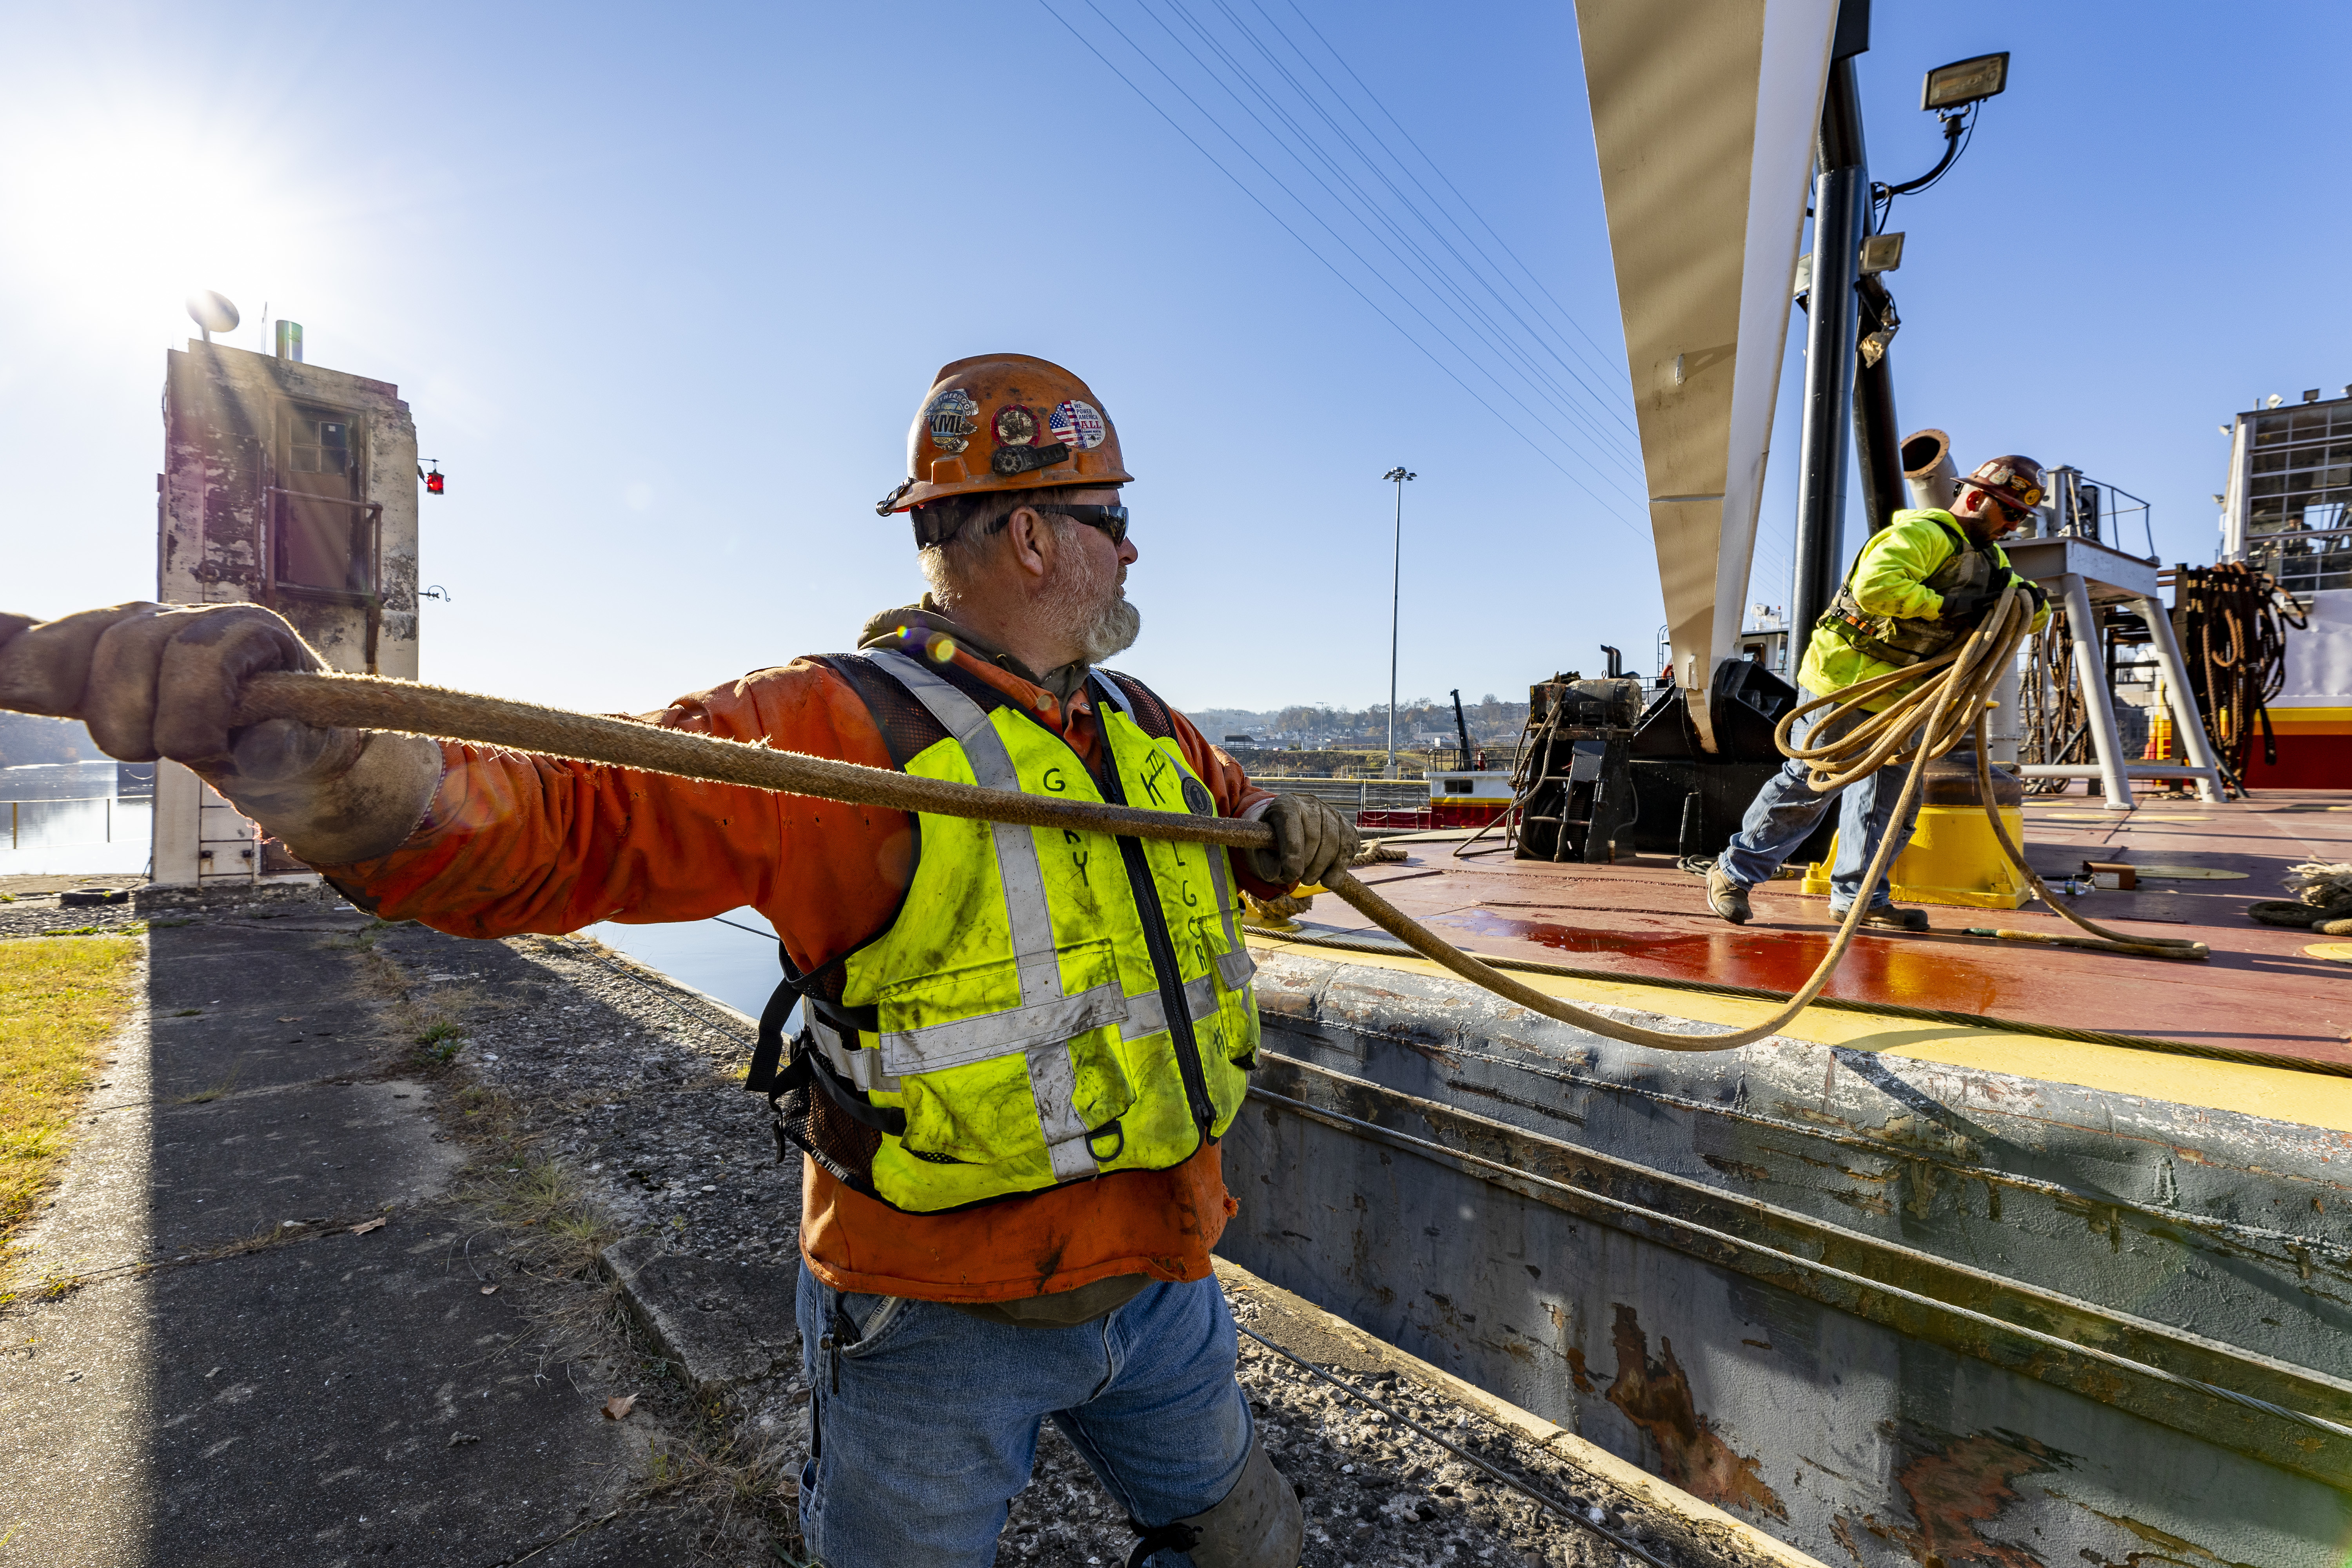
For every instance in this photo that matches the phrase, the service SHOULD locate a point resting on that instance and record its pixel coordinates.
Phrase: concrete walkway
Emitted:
(225, 1387)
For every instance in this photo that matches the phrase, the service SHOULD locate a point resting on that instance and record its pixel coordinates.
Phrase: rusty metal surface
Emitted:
(222, 406)
(1888, 1310)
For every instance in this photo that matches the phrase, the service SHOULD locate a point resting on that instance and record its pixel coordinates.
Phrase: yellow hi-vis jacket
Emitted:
(1048, 1006)
(1900, 574)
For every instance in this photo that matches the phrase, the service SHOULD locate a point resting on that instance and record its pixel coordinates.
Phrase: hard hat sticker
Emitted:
(1011, 460)
(1016, 425)
(1077, 424)
(951, 416)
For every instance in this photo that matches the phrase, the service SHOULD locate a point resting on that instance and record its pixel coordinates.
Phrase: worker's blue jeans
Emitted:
(927, 1424)
(1788, 808)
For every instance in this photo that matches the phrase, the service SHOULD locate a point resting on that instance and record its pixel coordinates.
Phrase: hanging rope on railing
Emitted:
(2233, 626)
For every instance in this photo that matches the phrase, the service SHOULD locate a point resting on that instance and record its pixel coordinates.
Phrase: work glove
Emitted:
(156, 680)
(1310, 841)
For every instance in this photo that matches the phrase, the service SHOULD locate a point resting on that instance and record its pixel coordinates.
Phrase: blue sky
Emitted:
(663, 291)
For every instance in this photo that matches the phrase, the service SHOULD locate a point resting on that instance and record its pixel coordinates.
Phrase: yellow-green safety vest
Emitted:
(1048, 1006)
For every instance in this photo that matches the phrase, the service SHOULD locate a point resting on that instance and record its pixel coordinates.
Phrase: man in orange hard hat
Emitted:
(1917, 586)
(1021, 1046)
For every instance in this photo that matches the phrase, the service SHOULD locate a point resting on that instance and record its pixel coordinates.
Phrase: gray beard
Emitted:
(1089, 611)
(1111, 632)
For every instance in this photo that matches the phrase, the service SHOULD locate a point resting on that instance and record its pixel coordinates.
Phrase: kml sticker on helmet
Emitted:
(952, 417)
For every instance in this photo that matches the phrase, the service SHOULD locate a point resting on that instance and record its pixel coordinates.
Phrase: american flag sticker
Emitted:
(1077, 425)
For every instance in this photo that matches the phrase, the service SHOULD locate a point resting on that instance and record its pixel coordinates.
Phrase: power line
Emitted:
(1318, 218)
(1288, 228)
(1607, 372)
(1447, 182)
(1431, 272)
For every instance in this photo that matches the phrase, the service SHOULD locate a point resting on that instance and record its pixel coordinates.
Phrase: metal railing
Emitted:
(2095, 510)
(1354, 795)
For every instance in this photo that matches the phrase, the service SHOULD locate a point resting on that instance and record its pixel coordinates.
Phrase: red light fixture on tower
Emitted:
(435, 484)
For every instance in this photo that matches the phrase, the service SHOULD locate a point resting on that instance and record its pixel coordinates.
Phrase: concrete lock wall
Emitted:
(1890, 1312)
(292, 486)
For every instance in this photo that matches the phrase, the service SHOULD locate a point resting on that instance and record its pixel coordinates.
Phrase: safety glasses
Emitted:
(1111, 519)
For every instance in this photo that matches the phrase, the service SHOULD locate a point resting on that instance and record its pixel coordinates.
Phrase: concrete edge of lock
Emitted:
(1307, 1329)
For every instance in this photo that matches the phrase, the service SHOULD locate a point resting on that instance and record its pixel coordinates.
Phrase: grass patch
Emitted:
(442, 1039)
(211, 1092)
(60, 1001)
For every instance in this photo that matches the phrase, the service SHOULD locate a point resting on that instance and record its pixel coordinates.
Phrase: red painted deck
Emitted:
(2258, 991)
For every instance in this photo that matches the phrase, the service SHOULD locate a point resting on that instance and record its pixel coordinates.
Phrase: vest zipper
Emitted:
(1157, 943)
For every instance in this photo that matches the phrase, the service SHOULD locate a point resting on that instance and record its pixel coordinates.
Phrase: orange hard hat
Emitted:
(2015, 479)
(1005, 422)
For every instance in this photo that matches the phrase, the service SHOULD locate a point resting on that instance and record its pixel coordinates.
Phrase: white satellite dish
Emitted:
(212, 311)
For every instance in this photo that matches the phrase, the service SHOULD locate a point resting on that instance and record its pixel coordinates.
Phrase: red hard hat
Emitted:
(2015, 479)
(1005, 422)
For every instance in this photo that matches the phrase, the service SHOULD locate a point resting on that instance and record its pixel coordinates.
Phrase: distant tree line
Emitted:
(1318, 723)
(28, 738)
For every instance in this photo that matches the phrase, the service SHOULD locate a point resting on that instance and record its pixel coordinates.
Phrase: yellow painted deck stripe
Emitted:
(2313, 1100)
(2312, 721)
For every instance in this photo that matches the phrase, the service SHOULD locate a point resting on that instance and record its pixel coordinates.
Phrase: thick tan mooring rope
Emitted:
(1947, 705)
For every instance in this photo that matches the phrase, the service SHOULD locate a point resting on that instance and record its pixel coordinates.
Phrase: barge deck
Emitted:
(1894, 1289)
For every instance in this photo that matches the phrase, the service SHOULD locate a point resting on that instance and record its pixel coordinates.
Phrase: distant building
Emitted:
(292, 486)
(2289, 507)
(1764, 638)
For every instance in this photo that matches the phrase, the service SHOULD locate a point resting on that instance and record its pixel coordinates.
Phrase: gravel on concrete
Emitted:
(652, 1114)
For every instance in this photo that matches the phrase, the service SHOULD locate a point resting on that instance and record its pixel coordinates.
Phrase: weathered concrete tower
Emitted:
(292, 486)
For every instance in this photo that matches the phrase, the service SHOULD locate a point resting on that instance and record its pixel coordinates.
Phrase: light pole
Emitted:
(1396, 579)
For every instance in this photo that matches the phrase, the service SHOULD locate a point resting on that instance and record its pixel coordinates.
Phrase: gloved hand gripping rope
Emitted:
(1950, 707)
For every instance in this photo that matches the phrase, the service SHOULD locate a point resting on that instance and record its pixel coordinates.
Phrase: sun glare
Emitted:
(115, 219)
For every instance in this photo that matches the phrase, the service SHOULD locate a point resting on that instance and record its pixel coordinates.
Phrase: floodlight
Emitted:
(1882, 252)
(1963, 81)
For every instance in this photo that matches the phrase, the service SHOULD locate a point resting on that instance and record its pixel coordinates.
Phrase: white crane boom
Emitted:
(1703, 116)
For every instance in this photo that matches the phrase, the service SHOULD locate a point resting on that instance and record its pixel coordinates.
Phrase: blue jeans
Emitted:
(1788, 808)
(917, 1448)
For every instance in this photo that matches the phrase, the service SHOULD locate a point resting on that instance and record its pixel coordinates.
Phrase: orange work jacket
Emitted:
(515, 842)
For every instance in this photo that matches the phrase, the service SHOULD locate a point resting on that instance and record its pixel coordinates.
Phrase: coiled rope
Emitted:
(1944, 706)
(2234, 626)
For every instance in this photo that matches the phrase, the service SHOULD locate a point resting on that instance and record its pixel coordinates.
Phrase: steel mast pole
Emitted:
(1840, 205)
(1397, 476)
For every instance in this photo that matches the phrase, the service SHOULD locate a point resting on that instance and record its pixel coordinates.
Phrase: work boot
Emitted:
(1726, 896)
(1891, 916)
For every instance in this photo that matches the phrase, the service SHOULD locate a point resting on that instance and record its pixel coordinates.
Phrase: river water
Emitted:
(74, 817)
(737, 966)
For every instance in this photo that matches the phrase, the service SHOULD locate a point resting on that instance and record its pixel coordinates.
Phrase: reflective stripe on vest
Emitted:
(1041, 1028)
(1014, 1055)
(1236, 967)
